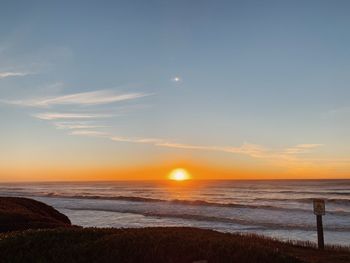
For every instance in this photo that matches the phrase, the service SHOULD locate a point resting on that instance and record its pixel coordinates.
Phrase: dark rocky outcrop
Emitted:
(18, 213)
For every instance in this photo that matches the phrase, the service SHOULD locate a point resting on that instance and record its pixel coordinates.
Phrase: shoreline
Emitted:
(33, 231)
(274, 209)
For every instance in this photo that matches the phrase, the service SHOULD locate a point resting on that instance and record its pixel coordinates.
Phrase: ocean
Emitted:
(281, 209)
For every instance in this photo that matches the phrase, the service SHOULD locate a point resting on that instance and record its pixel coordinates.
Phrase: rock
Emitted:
(18, 213)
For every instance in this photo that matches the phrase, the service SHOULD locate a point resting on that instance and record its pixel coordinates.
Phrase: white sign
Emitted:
(319, 207)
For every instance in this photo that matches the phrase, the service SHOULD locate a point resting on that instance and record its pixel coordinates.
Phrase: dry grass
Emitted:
(137, 245)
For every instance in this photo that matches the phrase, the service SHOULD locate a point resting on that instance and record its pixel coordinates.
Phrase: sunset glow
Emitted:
(179, 175)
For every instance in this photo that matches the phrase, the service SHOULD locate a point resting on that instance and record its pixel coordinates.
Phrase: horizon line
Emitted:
(180, 182)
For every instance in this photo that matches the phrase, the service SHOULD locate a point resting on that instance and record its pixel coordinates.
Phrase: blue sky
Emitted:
(232, 83)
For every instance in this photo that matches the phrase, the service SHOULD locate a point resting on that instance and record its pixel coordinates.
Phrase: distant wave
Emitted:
(121, 198)
(329, 192)
(306, 200)
(342, 192)
(337, 201)
(256, 224)
(250, 206)
(203, 203)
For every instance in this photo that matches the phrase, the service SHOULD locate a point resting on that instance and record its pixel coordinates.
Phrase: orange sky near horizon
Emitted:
(161, 172)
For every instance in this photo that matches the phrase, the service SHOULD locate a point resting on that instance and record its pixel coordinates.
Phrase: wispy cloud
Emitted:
(302, 148)
(6, 74)
(90, 133)
(252, 150)
(72, 126)
(249, 149)
(291, 154)
(58, 115)
(153, 141)
(83, 98)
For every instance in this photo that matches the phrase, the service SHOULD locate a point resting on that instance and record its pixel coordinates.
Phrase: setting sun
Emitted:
(179, 175)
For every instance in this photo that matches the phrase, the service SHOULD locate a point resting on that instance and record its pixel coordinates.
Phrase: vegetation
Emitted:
(22, 213)
(155, 245)
(136, 245)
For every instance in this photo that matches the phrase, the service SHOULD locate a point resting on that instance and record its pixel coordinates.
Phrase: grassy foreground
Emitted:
(152, 245)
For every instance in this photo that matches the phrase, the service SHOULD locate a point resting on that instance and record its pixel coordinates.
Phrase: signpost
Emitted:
(319, 211)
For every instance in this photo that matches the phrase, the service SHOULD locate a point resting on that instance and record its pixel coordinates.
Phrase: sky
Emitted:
(118, 90)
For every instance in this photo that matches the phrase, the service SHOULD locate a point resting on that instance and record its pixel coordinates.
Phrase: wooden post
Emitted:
(320, 237)
(319, 211)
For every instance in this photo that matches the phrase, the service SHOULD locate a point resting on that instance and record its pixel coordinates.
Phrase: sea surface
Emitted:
(278, 208)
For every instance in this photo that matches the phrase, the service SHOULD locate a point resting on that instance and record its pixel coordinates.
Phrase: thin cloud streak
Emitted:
(57, 115)
(8, 74)
(89, 133)
(83, 98)
(72, 126)
(252, 150)
(153, 141)
(302, 148)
